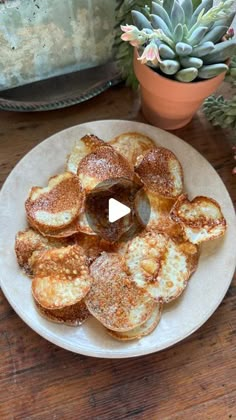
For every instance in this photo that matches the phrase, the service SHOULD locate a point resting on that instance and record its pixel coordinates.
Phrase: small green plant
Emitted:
(222, 112)
(180, 40)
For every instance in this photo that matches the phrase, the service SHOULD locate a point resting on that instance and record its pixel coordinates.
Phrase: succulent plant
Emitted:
(183, 40)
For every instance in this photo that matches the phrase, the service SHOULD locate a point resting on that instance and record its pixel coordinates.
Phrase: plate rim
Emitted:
(136, 352)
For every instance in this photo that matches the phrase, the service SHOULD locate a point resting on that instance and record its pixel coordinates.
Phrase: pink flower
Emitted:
(150, 53)
(135, 43)
(128, 28)
(133, 35)
(130, 33)
(230, 33)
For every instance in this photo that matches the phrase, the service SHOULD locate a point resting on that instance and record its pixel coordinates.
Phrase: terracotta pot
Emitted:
(169, 104)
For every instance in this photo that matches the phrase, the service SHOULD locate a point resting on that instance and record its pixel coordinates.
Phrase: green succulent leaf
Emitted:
(169, 67)
(166, 52)
(205, 5)
(177, 14)
(216, 13)
(183, 49)
(226, 21)
(161, 12)
(178, 33)
(191, 62)
(203, 49)
(140, 20)
(215, 34)
(158, 23)
(187, 6)
(159, 34)
(212, 70)
(187, 75)
(197, 35)
(221, 53)
(185, 33)
(168, 5)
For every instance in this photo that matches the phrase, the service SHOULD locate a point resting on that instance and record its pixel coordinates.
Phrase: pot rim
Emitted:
(177, 82)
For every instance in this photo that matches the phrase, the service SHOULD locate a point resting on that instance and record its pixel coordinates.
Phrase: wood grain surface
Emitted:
(195, 379)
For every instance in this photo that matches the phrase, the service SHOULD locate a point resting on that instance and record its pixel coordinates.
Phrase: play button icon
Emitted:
(117, 209)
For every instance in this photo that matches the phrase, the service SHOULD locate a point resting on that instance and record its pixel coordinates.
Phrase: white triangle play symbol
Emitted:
(117, 210)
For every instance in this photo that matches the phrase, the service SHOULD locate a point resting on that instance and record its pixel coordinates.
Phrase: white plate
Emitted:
(206, 288)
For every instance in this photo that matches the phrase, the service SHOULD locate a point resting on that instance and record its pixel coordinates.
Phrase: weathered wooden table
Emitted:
(195, 379)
